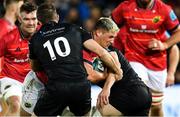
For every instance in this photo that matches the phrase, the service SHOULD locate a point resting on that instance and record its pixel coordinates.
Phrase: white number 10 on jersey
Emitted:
(57, 48)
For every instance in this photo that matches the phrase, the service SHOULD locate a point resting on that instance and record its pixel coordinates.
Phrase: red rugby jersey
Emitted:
(6, 27)
(120, 39)
(142, 26)
(15, 51)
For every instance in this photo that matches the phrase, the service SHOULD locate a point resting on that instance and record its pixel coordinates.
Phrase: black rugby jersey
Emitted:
(130, 77)
(58, 47)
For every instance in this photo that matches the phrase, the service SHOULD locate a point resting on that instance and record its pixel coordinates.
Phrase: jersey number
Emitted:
(57, 48)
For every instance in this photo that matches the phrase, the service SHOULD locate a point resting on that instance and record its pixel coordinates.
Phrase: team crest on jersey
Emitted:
(156, 19)
(18, 49)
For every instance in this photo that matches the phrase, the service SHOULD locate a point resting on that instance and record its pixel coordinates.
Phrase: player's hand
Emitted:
(170, 79)
(155, 44)
(103, 98)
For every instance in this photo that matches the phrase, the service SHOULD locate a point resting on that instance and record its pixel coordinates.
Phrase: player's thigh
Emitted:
(109, 110)
(49, 105)
(32, 90)
(95, 90)
(129, 99)
(141, 70)
(157, 80)
(10, 87)
(81, 102)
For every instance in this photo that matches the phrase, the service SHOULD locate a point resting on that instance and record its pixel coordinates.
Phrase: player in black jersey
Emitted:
(128, 96)
(57, 48)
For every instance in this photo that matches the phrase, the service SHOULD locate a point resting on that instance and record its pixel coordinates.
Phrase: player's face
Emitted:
(18, 5)
(107, 38)
(28, 22)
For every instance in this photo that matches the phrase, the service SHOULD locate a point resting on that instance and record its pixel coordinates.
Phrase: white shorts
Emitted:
(156, 80)
(10, 87)
(32, 90)
(95, 90)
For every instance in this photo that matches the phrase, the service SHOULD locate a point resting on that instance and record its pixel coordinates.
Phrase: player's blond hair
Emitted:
(107, 24)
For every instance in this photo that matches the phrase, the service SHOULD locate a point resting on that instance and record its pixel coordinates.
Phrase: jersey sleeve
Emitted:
(117, 14)
(118, 43)
(171, 21)
(87, 57)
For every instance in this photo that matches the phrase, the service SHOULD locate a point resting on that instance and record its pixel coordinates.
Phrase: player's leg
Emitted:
(81, 94)
(32, 90)
(141, 70)
(95, 90)
(109, 110)
(12, 92)
(3, 107)
(157, 85)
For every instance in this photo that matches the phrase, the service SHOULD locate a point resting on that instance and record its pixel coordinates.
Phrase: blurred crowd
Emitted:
(87, 12)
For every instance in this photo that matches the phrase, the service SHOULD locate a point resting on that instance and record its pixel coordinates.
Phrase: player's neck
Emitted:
(10, 17)
(148, 6)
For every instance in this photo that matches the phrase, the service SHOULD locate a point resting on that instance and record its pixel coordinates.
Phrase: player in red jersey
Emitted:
(14, 49)
(7, 24)
(9, 18)
(120, 44)
(145, 21)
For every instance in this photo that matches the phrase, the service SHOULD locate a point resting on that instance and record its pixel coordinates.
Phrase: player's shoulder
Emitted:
(3, 22)
(128, 3)
(161, 4)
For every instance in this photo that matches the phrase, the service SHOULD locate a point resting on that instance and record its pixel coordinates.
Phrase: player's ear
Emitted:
(98, 33)
(20, 19)
(57, 16)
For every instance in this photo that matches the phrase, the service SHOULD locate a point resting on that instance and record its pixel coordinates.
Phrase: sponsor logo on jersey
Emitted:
(156, 19)
(21, 60)
(143, 30)
(143, 27)
(172, 15)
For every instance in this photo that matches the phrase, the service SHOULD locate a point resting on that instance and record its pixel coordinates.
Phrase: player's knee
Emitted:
(157, 98)
(14, 104)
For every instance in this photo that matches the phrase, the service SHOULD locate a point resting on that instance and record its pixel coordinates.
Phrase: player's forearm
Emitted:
(103, 54)
(35, 66)
(173, 59)
(96, 77)
(174, 38)
(109, 61)
(109, 81)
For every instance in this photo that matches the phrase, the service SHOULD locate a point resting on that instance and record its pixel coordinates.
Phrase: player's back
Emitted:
(59, 47)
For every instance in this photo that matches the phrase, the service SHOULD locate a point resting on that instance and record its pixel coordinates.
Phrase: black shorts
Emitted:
(75, 95)
(134, 100)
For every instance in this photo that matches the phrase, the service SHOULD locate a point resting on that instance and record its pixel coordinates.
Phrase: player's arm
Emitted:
(171, 24)
(173, 62)
(35, 65)
(103, 97)
(156, 44)
(104, 56)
